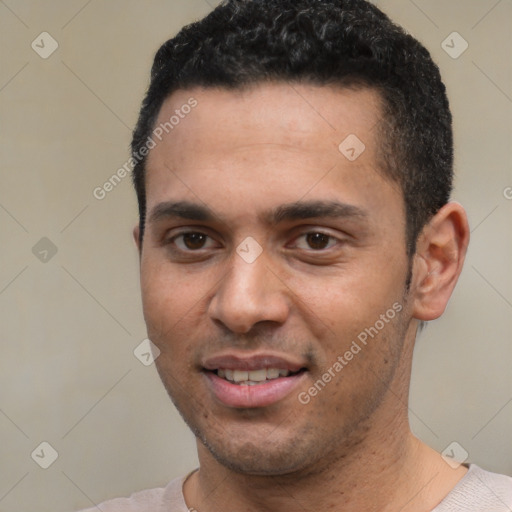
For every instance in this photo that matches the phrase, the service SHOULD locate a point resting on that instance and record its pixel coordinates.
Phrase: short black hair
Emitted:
(350, 43)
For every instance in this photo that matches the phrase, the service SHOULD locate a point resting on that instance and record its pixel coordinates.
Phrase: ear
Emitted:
(136, 233)
(438, 261)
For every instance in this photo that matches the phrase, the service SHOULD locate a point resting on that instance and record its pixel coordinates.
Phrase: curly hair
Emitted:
(349, 43)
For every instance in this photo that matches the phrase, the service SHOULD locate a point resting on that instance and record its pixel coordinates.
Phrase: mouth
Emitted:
(249, 382)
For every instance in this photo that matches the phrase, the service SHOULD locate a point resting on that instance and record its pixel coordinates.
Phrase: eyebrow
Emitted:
(299, 210)
(302, 210)
(180, 210)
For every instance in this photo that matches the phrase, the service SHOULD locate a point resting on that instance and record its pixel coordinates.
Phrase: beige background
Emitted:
(68, 375)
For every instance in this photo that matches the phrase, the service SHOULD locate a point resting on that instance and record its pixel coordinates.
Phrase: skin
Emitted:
(243, 155)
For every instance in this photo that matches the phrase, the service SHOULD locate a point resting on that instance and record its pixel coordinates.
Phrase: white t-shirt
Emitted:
(478, 491)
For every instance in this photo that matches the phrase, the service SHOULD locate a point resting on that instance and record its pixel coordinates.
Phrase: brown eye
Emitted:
(192, 246)
(317, 241)
(194, 241)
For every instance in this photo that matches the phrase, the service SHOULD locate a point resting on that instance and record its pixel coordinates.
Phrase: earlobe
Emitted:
(438, 261)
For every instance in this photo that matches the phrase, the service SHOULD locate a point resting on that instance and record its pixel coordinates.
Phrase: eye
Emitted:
(192, 241)
(315, 240)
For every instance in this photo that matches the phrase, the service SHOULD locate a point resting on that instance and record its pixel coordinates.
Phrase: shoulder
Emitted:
(168, 498)
(479, 490)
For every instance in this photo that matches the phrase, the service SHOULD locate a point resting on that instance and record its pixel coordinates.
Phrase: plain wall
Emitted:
(70, 323)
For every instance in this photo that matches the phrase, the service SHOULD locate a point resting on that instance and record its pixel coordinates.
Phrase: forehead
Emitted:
(304, 116)
(279, 141)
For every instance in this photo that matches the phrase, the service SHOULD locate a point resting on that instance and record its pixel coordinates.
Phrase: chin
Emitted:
(259, 455)
(250, 459)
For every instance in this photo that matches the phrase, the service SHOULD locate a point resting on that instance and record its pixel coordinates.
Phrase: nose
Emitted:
(250, 293)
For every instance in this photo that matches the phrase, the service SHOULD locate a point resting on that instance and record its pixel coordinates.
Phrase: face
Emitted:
(273, 272)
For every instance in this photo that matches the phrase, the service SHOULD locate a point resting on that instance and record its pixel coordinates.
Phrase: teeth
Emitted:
(240, 375)
(273, 373)
(258, 375)
(252, 377)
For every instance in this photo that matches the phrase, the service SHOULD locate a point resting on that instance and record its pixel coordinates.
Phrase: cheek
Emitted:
(346, 300)
(169, 293)
(171, 326)
(175, 304)
(165, 302)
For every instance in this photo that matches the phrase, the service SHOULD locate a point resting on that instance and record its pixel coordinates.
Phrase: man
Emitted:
(293, 172)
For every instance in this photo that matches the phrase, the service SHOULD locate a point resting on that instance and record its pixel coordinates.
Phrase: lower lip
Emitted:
(258, 395)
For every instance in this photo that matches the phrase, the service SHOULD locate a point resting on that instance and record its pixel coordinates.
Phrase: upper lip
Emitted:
(250, 362)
